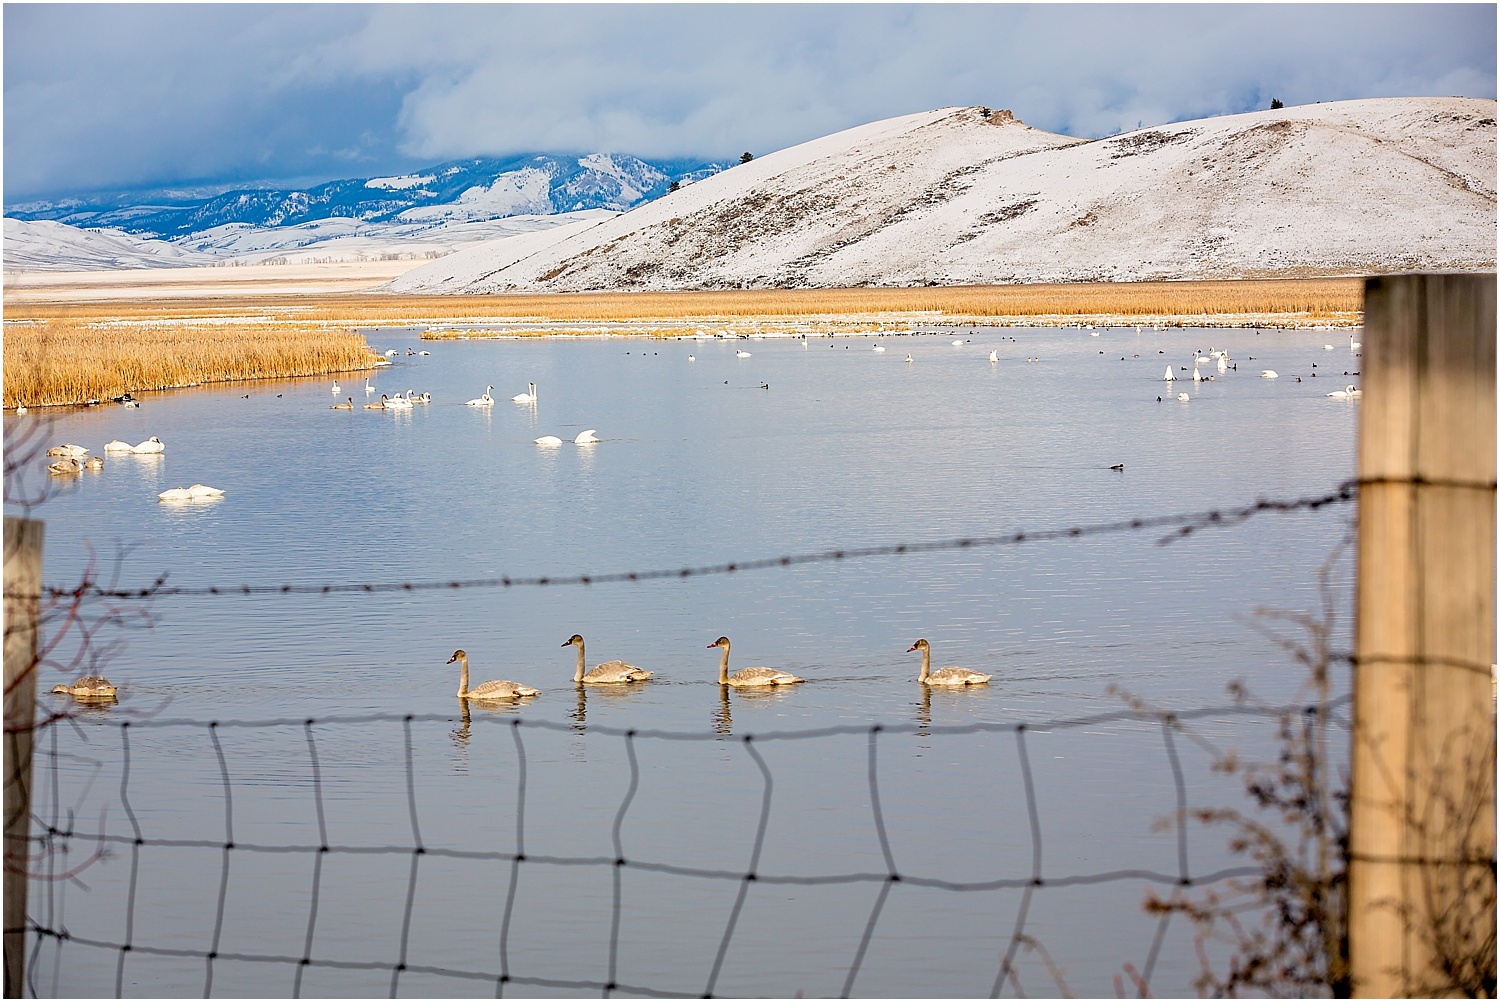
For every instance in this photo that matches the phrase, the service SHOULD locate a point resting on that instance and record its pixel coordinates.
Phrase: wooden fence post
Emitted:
(23, 585)
(1422, 814)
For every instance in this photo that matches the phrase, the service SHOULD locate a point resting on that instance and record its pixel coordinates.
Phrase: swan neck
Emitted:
(926, 664)
(724, 666)
(463, 676)
(578, 672)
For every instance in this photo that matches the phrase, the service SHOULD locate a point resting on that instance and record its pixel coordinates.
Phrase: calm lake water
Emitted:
(804, 446)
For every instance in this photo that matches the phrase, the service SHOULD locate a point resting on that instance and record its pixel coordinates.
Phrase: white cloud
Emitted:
(132, 94)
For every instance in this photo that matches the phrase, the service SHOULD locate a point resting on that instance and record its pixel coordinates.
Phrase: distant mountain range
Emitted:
(437, 202)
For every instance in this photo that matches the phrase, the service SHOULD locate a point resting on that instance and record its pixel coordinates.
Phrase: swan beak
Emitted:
(567, 643)
(450, 661)
(911, 648)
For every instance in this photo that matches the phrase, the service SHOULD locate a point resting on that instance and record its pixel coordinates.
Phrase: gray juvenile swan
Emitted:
(499, 689)
(749, 676)
(608, 673)
(95, 686)
(946, 675)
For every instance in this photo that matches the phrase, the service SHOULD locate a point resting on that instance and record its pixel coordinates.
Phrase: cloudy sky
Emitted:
(122, 96)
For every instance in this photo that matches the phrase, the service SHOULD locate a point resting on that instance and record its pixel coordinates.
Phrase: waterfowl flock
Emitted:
(623, 673)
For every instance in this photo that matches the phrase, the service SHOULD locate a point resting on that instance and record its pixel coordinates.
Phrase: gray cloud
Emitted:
(120, 95)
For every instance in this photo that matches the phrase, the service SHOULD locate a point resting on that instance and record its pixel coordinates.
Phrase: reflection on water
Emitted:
(699, 465)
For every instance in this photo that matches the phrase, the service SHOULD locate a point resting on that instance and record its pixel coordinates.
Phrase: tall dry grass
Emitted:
(73, 360)
(1316, 299)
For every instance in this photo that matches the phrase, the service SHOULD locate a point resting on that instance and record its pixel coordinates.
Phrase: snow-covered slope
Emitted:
(968, 196)
(47, 246)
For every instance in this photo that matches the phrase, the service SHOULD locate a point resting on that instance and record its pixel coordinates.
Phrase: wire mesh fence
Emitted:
(992, 851)
(488, 853)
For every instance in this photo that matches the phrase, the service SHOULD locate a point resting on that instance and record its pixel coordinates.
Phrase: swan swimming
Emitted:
(994, 356)
(586, 437)
(118, 446)
(749, 676)
(93, 463)
(152, 444)
(959, 343)
(65, 467)
(1183, 397)
(484, 400)
(549, 440)
(369, 390)
(908, 357)
(175, 494)
(494, 689)
(1168, 377)
(741, 353)
(1197, 376)
(1347, 393)
(349, 406)
(878, 347)
(1269, 374)
(529, 397)
(378, 405)
(203, 491)
(68, 451)
(608, 673)
(89, 686)
(946, 675)
(336, 391)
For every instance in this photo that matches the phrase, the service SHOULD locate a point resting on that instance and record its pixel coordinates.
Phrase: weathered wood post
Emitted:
(23, 585)
(1422, 825)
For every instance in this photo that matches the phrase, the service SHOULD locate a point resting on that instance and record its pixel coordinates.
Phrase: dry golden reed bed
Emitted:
(71, 352)
(64, 360)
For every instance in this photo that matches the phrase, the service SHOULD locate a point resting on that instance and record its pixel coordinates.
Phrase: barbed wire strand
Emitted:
(1182, 526)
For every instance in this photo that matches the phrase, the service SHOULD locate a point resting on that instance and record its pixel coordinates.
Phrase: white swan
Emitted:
(118, 446)
(1347, 393)
(1355, 345)
(994, 356)
(176, 494)
(336, 391)
(529, 397)
(1183, 397)
(746, 677)
(20, 408)
(549, 440)
(948, 674)
(484, 400)
(586, 437)
(1168, 377)
(1269, 374)
(741, 353)
(152, 444)
(908, 356)
(68, 451)
(398, 403)
(203, 491)
(608, 673)
(496, 689)
(878, 347)
(1223, 363)
(1328, 347)
(1197, 376)
(692, 359)
(958, 343)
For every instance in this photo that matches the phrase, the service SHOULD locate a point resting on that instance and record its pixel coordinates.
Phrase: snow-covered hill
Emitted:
(971, 196)
(47, 246)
